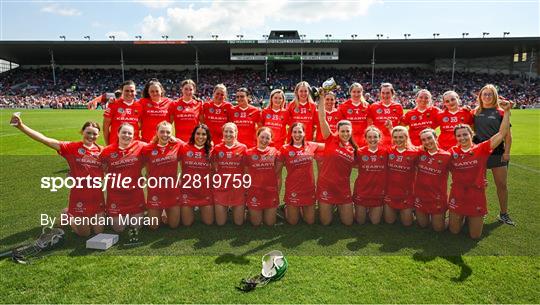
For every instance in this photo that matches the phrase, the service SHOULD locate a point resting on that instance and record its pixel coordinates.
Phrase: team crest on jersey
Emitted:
(114, 155)
(293, 194)
(423, 158)
(154, 152)
(255, 157)
(149, 105)
(268, 116)
(221, 154)
(184, 196)
(325, 193)
(254, 199)
(79, 204)
(236, 114)
(365, 158)
(455, 155)
(113, 206)
(349, 111)
(445, 119)
(292, 153)
(120, 110)
(413, 118)
(211, 110)
(391, 156)
(190, 154)
(81, 151)
(379, 111)
(297, 110)
(179, 108)
(462, 119)
(439, 161)
(154, 198)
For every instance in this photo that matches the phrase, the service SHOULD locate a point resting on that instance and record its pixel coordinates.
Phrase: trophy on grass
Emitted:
(327, 86)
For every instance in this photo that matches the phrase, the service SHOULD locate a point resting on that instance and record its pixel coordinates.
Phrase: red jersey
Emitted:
(124, 163)
(277, 121)
(333, 184)
(401, 173)
(332, 118)
(430, 185)
(119, 113)
(447, 122)
(358, 115)
(162, 163)
(468, 168)
(83, 161)
(185, 116)
(215, 117)
(153, 113)
(246, 120)
(261, 166)
(370, 184)
(305, 114)
(419, 120)
(229, 165)
(379, 113)
(300, 181)
(196, 166)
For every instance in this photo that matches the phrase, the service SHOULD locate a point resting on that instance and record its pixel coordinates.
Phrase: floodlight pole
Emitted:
(197, 64)
(453, 65)
(52, 66)
(373, 67)
(531, 65)
(301, 63)
(122, 64)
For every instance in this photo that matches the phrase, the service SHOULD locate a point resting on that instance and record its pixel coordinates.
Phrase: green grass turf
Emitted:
(360, 264)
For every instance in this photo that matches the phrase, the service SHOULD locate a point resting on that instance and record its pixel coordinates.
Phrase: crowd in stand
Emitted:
(35, 88)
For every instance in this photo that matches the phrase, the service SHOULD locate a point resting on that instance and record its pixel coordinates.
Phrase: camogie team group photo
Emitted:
(230, 162)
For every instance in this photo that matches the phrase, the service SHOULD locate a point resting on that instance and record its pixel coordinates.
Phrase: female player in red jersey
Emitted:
(82, 158)
(124, 110)
(161, 160)
(487, 121)
(369, 187)
(302, 109)
(468, 167)
(276, 117)
(155, 108)
(355, 110)
(385, 111)
(430, 185)
(333, 116)
(186, 112)
(228, 163)
(122, 160)
(297, 156)
(196, 176)
(216, 112)
(246, 117)
(262, 198)
(333, 184)
(400, 175)
(450, 117)
(423, 116)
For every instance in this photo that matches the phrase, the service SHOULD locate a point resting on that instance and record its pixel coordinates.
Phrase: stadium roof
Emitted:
(210, 52)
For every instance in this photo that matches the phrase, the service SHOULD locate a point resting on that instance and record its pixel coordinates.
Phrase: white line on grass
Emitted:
(525, 167)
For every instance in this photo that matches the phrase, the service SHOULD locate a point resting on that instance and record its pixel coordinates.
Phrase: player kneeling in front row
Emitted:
(468, 168)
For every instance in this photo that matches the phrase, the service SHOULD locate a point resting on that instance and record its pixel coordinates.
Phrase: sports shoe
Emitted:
(505, 218)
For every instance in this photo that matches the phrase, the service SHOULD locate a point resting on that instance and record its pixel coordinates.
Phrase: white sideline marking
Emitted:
(525, 167)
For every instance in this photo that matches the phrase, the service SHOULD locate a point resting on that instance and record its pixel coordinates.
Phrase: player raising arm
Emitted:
(82, 158)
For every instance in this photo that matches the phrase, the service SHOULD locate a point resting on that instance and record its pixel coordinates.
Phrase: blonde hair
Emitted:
(480, 106)
(230, 124)
(296, 99)
(404, 130)
(274, 92)
(155, 139)
(430, 130)
(358, 85)
(220, 87)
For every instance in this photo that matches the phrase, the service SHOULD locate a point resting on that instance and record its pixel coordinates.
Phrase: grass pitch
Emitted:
(360, 264)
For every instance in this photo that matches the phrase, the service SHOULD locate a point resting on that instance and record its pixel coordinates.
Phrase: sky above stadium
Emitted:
(125, 19)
